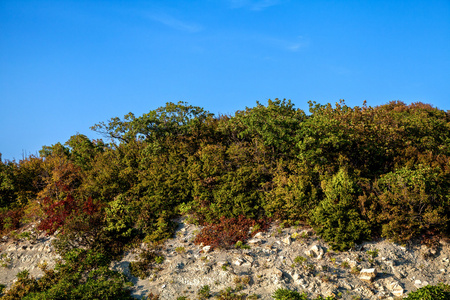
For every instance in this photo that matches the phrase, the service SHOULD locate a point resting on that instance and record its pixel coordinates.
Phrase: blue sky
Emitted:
(67, 65)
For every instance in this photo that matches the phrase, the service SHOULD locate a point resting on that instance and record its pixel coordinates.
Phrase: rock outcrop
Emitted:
(291, 258)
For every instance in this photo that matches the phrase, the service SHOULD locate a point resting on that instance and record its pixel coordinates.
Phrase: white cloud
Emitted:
(175, 23)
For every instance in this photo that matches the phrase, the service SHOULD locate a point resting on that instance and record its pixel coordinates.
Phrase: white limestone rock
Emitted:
(368, 275)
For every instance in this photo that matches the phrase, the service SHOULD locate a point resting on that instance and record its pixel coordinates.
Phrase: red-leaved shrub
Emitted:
(229, 231)
(10, 219)
(56, 213)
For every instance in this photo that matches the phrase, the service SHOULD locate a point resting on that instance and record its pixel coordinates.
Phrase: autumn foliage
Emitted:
(350, 172)
(228, 231)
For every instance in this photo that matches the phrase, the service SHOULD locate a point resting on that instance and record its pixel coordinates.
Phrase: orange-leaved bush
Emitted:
(228, 231)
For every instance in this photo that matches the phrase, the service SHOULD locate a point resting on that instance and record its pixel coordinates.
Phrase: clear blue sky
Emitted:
(66, 65)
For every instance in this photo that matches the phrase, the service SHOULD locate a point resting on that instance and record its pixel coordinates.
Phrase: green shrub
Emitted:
(85, 275)
(336, 219)
(241, 245)
(299, 260)
(412, 202)
(430, 292)
(285, 294)
(229, 294)
(204, 292)
(144, 265)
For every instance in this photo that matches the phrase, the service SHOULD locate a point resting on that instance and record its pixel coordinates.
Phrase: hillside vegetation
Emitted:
(352, 174)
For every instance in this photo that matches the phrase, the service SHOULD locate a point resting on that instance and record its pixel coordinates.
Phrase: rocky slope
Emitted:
(292, 258)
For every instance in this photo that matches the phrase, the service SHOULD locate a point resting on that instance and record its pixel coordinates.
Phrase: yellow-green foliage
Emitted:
(348, 171)
(336, 218)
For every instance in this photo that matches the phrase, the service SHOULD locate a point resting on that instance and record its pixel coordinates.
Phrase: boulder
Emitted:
(259, 235)
(420, 284)
(368, 275)
(238, 261)
(396, 288)
(254, 241)
(315, 251)
(287, 240)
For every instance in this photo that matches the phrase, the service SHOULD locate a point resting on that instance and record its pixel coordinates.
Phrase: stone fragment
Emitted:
(352, 263)
(389, 263)
(254, 241)
(398, 273)
(330, 292)
(367, 292)
(276, 275)
(222, 263)
(206, 249)
(238, 261)
(398, 291)
(368, 274)
(259, 235)
(381, 295)
(315, 251)
(287, 240)
(420, 284)
(346, 285)
(395, 288)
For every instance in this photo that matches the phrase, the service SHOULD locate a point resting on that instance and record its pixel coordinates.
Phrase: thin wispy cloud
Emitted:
(253, 4)
(175, 23)
(292, 45)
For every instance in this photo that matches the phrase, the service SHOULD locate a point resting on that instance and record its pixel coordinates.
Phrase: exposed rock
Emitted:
(270, 263)
(238, 261)
(396, 288)
(254, 242)
(315, 251)
(420, 284)
(276, 275)
(398, 273)
(287, 240)
(259, 235)
(368, 274)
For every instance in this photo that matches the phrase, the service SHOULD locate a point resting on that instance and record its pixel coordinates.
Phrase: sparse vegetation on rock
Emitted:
(352, 174)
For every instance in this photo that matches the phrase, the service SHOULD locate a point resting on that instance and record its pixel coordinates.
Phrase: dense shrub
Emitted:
(10, 219)
(228, 231)
(294, 194)
(285, 294)
(147, 260)
(83, 275)
(430, 292)
(336, 218)
(348, 172)
(411, 203)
